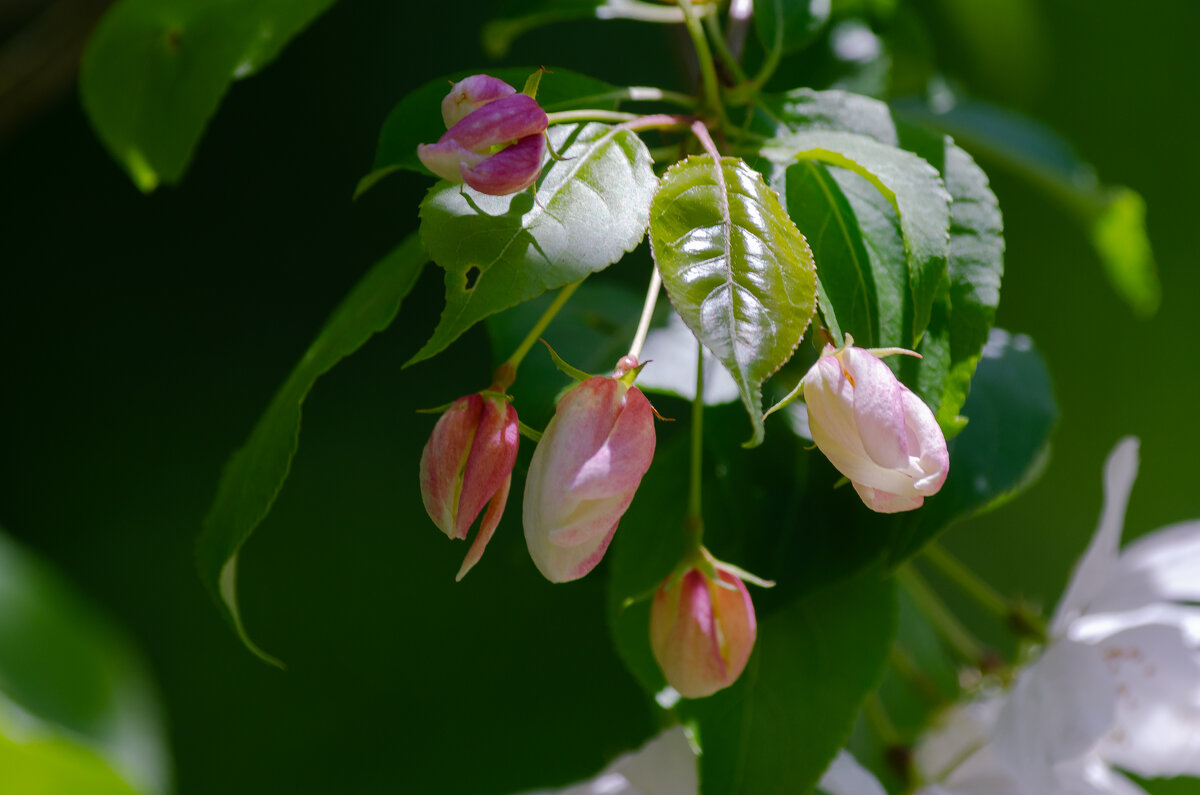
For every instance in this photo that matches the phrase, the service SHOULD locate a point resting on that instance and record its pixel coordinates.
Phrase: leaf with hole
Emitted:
(737, 270)
(584, 213)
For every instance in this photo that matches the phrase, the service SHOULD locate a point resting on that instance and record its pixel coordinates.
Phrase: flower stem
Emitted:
(726, 56)
(944, 622)
(514, 361)
(877, 716)
(708, 70)
(590, 114)
(643, 328)
(1018, 616)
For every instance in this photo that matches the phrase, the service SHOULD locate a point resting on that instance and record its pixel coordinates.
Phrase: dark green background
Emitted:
(143, 335)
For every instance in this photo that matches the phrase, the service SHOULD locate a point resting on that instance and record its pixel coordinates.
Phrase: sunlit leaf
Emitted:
(735, 268)
(255, 474)
(584, 213)
(155, 71)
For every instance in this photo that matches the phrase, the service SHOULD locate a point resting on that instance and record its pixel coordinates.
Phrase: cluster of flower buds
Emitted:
(874, 430)
(702, 628)
(582, 478)
(495, 138)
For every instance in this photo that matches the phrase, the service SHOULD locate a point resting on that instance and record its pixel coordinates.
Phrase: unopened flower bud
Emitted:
(496, 138)
(584, 473)
(874, 430)
(468, 463)
(702, 631)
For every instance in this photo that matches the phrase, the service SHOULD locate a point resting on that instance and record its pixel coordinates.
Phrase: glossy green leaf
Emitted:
(77, 711)
(735, 267)
(417, 119)
(912, 186)
(1113, 216)
(777, 728)
(255, 474)
(585, 213)
(789, 25)
(155, 71)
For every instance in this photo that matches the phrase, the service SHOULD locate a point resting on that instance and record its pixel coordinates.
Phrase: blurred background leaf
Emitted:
(78, 713)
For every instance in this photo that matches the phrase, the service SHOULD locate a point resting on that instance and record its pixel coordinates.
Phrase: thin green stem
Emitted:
(591, 114)
(970, 582)
(695, 495)
(535, 333)
(726, 56)
(708, 70)
(877, 716)
(944, 622)
(643, 328)
(909, 671)
(650, 94)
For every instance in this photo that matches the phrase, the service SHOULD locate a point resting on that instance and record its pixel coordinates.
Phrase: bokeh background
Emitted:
(143, 335)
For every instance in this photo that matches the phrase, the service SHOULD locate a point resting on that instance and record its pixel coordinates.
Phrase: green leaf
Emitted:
(912, 186)
(255, 474)
(155, 71)
(589, 210)
(417, 119)
(736, 269)
(777, 728)
(78, 713)
(789, 25)
(1113, 216)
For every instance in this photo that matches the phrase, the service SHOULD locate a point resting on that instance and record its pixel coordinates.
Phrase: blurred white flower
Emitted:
(1118, 684)
(664, 766)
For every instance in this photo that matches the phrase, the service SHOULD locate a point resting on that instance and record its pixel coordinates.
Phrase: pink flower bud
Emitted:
(496, 138)
(583, 475)
(468, 462)
(472, 93)
(702, 632)
(874, 430)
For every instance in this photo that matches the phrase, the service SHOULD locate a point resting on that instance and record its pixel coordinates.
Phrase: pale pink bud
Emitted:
(874, 430)
(496, 149)
(468, 462)
(702, 632)
(472, 93)
(583, 475)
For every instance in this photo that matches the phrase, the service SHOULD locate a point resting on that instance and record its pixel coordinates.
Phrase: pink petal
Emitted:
(491, 518)
(497, 123)
(472, 93)
(878, 409)
(447, 158)
(508, 171)
(493, 453)
(445, 457)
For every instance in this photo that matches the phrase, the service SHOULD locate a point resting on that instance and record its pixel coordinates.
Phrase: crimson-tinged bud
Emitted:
(874, 430)
(468, 462)
(496, 138)
(702, 631)
(584, 473)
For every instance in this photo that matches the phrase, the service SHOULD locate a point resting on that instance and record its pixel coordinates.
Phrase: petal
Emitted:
(885, 502)
(498, 122)
(927, 446)
(493, 453)
(1096, 566)
(446, 158)
(1164, 565)
(445, 457)
(471, 93)
(510, 170)
(878, 409)
(487, 527)
(845, 776)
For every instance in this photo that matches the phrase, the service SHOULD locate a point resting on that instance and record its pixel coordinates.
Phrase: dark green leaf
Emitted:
(1114, 217)
(417, 119)
(87, 720)
(777, 728)
(789, 25)
(735, 268)
(255, 474)
(589, 211)
(155, 71)
(912, 186)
